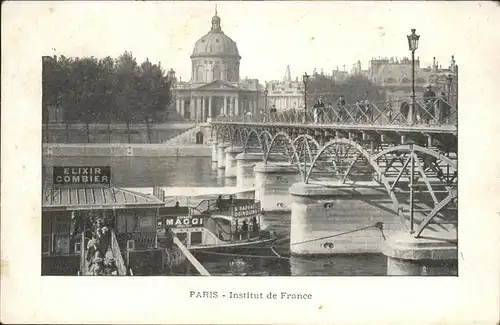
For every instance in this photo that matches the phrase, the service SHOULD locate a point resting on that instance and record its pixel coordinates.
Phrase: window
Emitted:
(217, 72)
(196, 238)
(182, 236)
(199, 74)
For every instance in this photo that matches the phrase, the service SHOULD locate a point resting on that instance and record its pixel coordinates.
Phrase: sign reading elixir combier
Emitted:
(82, 175)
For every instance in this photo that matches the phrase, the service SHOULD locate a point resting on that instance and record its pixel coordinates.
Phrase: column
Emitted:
(210, 107)
(272, 182)
(198, 109)
(178, 106)
(236, 106)
(225, 106)
(192, 106)
(231, 153)
(331, 208)
(203, 109)
(183, 107)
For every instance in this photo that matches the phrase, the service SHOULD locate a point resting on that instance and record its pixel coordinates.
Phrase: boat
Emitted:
(222, 224)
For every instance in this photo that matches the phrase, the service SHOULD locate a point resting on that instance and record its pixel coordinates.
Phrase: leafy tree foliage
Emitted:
(107, 90)
(356, 87)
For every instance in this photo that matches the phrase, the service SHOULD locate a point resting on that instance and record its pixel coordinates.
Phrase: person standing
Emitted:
(341, 108)
(429, 100)
(319, 107)
(443, 109)
(105, 241)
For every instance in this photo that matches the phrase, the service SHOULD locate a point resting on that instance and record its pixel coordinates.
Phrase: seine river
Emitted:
(197, 172)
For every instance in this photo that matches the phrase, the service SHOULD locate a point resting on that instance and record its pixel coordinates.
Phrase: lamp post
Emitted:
(265, 100)
(305, 80)
(413, 46)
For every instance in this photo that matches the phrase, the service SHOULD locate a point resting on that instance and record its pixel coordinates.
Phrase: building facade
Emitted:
(394, 76)
(286, 93)
(215, 88)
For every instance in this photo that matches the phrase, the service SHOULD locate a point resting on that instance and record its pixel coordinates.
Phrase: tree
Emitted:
(92, 90)
(356, 87)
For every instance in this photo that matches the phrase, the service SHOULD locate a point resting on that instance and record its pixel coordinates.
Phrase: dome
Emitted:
(215, 43)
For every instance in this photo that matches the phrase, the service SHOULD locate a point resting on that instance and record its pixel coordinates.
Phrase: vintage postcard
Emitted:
(249, 156)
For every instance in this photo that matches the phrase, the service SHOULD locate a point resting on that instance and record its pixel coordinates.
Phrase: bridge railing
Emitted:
(427, 111)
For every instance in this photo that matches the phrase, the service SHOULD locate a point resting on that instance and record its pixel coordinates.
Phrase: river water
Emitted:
(198, 172)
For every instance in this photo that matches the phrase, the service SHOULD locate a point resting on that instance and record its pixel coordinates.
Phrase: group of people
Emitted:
(433, 109)
(242, 232)
(97, 247)
(223, 204)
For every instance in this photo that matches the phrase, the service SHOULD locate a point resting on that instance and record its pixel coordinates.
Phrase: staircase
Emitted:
(185, 137)
(113, 252)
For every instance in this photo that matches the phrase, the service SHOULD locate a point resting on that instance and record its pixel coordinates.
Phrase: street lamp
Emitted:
(413, 46)
(305, 80)
(265, 100)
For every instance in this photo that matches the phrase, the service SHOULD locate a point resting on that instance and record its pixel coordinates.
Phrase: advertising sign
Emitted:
(82, 175)
(184, 221)
(246, 211)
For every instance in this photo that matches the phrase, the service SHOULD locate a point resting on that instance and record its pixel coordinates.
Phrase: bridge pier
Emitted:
(215, 153)
(245, 163)
(407, 255)
(221, 155)
(231, 153)
(347, 212)
(272, 182)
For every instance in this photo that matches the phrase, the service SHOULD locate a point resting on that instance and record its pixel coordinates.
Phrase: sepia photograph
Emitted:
(244, 162)
(210, 166)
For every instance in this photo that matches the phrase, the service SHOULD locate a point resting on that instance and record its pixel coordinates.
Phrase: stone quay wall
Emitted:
(124, 150)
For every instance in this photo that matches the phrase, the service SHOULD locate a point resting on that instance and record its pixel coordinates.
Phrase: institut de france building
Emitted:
(215, 88)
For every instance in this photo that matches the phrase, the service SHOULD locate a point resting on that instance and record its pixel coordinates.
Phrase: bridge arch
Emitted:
(274, 141)
(248, 137)
(265, 137)
(235, 137)
(224, 134)
(290, 150)
(432, 181)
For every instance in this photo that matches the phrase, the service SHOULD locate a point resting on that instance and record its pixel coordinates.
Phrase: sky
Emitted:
(270, 35)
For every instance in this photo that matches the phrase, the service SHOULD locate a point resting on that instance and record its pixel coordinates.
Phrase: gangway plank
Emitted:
(190, 257)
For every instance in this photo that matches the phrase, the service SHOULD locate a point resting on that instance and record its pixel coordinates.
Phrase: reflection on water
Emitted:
(201, 172)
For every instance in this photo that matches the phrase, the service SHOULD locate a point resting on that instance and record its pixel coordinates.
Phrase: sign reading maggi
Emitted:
(82, 175)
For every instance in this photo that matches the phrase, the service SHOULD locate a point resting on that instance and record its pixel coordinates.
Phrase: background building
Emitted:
(394, 76)
(215, 87)
(285, 93)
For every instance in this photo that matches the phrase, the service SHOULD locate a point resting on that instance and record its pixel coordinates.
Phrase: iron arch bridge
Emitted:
(415, 159)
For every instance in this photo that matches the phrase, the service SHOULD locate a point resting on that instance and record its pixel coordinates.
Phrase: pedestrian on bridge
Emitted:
(273, 112)
(429, 104)
(320, 106)
(341, 108)
(443, 109)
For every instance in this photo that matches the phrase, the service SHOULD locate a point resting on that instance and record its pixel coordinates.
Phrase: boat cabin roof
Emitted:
(191, 196)
(96, 197)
